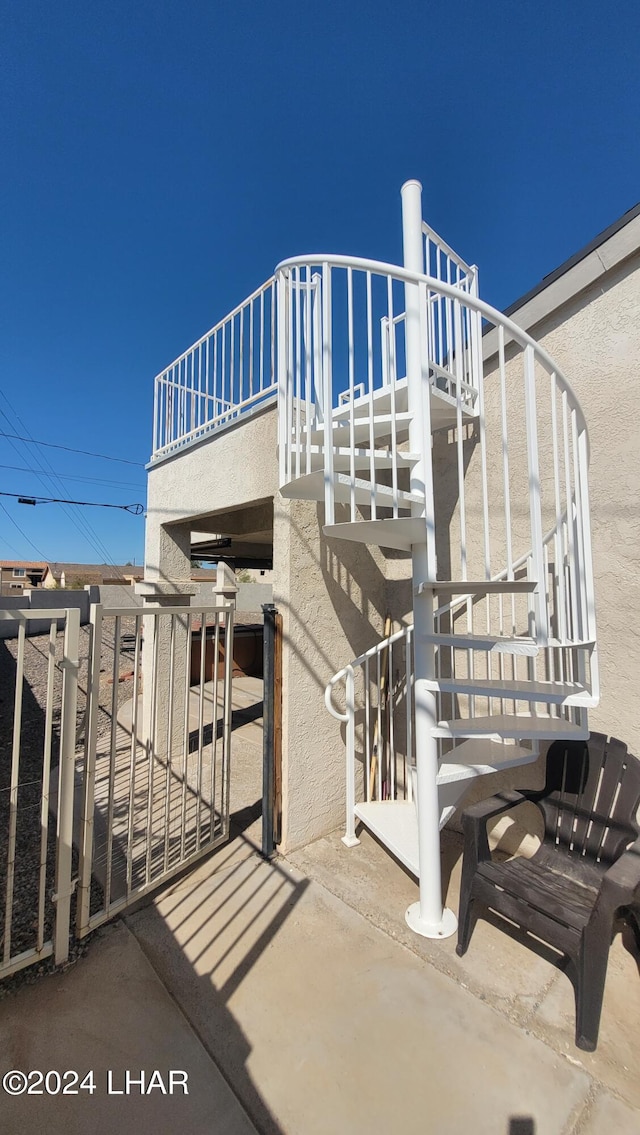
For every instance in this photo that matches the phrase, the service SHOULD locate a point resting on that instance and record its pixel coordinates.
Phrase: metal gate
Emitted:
(135, 769)
(37, 758)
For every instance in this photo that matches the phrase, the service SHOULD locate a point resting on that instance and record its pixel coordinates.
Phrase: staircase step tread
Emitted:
(522, 690)
(395, 824)
(383, 458)
(311, 486)
(400, 533)
(485, 642)
(481, 756)
(507, 725)
(481, 586)
(440, 401)
(518, 644)
(364, 428)
(381, 401)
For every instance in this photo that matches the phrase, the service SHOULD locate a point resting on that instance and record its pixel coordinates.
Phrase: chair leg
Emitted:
(467, 918)
(591, 975)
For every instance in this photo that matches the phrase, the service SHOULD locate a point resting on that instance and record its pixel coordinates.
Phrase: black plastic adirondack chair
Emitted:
(585, 874)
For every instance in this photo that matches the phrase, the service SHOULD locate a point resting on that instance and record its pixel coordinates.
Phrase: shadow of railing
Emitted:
(204, 936)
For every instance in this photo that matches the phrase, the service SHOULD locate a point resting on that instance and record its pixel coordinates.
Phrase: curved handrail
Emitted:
(491, 313)
(370, 653)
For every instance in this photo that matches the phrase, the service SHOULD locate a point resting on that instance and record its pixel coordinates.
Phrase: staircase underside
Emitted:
(395, 822)
(400, 533)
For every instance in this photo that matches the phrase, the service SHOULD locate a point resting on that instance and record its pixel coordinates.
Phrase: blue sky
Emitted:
(159, 158)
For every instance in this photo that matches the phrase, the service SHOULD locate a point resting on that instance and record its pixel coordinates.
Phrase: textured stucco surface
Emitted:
(332, 598)
(595, 340)
(234, 468)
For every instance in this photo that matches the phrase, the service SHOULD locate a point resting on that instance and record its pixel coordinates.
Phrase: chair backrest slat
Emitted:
(590, 799)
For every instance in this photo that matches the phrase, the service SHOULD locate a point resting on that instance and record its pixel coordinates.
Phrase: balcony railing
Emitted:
(228, 372)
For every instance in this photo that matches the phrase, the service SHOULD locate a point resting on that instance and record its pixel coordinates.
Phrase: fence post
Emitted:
(88, 805)
(64, 844)
(269, 731)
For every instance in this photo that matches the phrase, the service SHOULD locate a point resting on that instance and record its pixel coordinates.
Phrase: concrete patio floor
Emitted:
(298, 1002)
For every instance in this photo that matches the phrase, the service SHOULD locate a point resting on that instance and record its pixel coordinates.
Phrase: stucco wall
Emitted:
(236, 467)
(595, 340)
(332, 598)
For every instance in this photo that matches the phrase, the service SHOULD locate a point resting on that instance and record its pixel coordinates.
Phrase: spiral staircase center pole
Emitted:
(426, 917)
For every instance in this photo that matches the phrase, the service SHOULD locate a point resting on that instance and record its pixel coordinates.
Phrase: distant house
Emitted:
(17, 576)
(79, 575)
(204, 575)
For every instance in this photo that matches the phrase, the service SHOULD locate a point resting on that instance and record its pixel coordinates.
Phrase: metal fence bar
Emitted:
(268, 735)
(13, 799)
(64, 888)
(46, 781)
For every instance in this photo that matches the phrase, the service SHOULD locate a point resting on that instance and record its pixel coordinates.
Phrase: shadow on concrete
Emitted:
(203, 937)
(521, 1125)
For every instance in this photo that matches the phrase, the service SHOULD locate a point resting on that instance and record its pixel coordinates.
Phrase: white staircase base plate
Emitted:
(447, 925)
(350, 840)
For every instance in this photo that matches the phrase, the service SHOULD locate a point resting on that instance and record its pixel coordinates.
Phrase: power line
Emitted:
(70, 449)
(69, 477)
(23, 534)
(73, 512)
(134, 509)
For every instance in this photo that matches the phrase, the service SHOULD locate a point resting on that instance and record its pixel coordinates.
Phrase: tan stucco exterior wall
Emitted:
(596, 340)
(221, 473)
(332, 598)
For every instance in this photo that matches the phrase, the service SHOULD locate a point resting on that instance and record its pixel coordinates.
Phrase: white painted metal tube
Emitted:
(64, 888)
(426, 917)
(349, 838)
(439, 286)
(87, 827)
(13, 798)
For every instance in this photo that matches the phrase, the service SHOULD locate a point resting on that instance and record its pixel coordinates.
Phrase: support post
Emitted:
(66, 785)
(268, 759)
(426, 917)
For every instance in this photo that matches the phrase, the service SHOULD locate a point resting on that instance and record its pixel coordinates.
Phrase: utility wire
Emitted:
(72, 511)
(68, 448)
(24, 535)
(69, 477)
(47, 480)
(135, 509)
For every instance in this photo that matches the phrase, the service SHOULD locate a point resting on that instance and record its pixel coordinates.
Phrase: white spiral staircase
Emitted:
(388, 414)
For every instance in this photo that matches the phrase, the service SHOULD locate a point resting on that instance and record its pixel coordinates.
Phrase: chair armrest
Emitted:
(493, 805)
(476, 816)
(621, 883)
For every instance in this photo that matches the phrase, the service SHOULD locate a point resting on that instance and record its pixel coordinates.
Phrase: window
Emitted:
(18, 573)
(15, 586)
